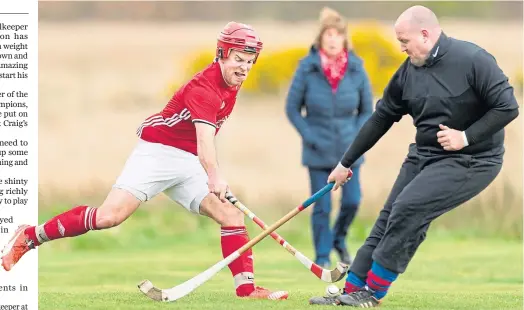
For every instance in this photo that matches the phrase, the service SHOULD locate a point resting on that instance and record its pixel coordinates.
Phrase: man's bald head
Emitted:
(419, 16)
(417, 30)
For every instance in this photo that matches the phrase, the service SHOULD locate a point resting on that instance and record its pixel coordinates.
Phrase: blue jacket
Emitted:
(332, 120)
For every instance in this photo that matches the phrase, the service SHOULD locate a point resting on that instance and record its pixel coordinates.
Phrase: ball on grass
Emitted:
(332, 290)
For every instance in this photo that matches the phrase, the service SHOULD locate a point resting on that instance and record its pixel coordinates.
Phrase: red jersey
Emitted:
(205, 98)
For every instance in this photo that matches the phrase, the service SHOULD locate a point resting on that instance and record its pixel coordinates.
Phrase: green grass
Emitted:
(446, 274)
(466, 267)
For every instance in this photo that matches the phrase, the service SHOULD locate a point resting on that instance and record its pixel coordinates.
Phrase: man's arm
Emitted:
(205, 135)
(494, 90)
(204, 106)
(389, 110)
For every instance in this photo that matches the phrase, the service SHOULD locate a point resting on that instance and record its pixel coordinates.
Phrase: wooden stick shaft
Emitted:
(269, 230)
(263, 225)
(287, 217)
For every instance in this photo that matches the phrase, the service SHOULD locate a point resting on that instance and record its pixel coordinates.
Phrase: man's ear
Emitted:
(425, 34)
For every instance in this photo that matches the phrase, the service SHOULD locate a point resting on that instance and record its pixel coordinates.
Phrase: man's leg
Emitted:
(193, 194)
(320, 218)
(441, 186)
(351, 195)
(357, 275)
(358, 270)
(135, 185)
(117, 207)
(233, 235)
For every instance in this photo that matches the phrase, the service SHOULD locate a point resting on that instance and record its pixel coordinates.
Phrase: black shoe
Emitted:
(363, 298)
(344, 256)
(323, 301)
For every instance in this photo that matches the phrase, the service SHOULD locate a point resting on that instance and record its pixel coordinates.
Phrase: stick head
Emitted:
(181, 290)
(339, 272)
(150, 291)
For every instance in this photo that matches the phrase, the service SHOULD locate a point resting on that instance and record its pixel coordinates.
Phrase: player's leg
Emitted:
(350, 202)
(362, 262)
(443, 184)
(193, 194)
(357, 275)
(135, 184)
(233, 235)
(320, 218)
(117, 207)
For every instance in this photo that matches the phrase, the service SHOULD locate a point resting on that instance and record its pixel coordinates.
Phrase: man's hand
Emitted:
(339, 175)
(217, 185)
(451, 139)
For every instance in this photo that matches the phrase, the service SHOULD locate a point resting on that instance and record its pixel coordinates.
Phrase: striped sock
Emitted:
(233, 238)
(74, 222)
(380, 279)
(353, 283)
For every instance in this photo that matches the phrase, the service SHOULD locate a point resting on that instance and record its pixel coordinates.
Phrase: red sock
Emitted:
(74, 222)
(350, 288)
(232, 239)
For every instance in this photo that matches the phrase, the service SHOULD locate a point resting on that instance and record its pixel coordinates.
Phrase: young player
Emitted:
(175, 154)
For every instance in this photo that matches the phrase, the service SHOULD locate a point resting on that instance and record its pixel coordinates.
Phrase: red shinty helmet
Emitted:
(240, 37)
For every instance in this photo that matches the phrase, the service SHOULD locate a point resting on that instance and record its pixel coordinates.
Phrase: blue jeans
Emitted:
(325, 238)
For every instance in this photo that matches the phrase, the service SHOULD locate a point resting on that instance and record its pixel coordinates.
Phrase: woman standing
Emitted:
(332, 86)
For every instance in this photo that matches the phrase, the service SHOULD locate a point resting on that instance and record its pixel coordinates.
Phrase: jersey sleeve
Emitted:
(203, 105)
(494, 89)
(391, 106)
(491, 83)
(389, 110)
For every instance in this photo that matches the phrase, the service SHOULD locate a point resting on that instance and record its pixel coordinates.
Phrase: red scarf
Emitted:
(334, 68)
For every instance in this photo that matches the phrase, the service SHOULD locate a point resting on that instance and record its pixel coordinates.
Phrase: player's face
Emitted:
(332, 41)
(413, 42)
(236, 67)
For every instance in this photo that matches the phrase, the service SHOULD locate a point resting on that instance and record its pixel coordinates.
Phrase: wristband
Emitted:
(465, 139)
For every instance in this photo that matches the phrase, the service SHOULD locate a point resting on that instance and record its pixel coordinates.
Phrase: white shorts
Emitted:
(153, 168)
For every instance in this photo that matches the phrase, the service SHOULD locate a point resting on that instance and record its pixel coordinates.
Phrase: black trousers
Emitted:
(429, 184)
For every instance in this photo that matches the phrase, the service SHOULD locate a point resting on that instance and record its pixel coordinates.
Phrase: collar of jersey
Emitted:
(439, 49)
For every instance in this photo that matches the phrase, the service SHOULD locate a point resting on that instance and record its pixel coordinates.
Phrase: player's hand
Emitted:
(450, 139)
(339, 175)
(218, 186)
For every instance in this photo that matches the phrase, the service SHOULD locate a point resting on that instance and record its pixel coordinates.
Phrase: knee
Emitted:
(109, 216)
(117, 207)
(322, 208)
(320, 214)
(229, 215)
(351, 200)
(404, 215)
(225, 214)
(350, 204)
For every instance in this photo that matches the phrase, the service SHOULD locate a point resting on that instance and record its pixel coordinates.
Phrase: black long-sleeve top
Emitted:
(460, 86)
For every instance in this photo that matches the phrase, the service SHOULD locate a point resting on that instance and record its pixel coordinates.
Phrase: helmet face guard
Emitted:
(239, 37)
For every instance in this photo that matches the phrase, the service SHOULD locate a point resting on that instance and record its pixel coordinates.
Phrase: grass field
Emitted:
(447, 273)
(472, 258)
